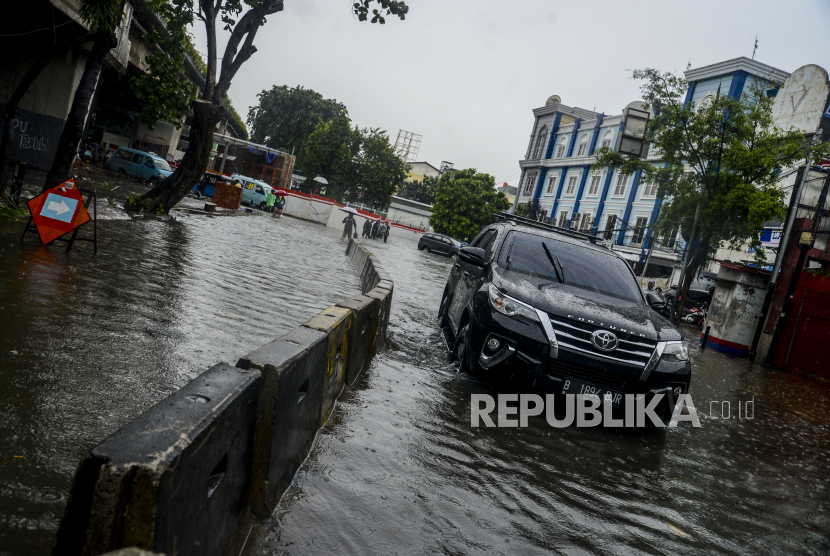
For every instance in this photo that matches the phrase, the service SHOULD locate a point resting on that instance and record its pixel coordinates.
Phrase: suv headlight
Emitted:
(506, 305)
(678, 349)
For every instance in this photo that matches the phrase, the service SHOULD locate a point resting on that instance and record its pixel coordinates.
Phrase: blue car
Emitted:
(139, 164)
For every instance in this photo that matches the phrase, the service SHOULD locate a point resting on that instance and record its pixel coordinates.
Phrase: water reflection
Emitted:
(399, 470)
(87, 342)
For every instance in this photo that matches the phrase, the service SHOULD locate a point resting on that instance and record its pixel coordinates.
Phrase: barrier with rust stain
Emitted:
(187, 476)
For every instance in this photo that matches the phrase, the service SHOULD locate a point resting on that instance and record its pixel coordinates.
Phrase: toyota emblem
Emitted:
(604, 340)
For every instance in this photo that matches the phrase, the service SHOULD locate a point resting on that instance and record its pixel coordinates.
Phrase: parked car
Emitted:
(564, 313)
(439, 243)
(254, 191)
(139, 164)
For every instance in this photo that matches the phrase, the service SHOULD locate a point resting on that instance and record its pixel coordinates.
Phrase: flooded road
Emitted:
(87, 343)
(399, 470)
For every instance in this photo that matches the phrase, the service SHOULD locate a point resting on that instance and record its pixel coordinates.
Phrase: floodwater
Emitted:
(399, 470)
(88, 343)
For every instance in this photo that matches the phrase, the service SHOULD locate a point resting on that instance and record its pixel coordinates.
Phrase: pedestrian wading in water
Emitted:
(350, 224)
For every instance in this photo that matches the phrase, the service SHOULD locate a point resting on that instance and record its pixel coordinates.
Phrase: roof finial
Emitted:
(756, 47)
(688, 67)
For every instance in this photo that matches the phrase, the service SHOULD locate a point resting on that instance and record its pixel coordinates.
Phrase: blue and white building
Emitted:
(557, 175)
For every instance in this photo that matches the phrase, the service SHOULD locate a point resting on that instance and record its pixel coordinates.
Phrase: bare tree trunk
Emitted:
(74, 127)
(170, 191)
(691, 270)
(10, 112)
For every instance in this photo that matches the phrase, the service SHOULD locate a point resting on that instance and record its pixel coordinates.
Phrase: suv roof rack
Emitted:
(513, 219)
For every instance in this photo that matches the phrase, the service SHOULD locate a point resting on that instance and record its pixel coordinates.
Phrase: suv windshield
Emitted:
(587, 269)
(161, 164)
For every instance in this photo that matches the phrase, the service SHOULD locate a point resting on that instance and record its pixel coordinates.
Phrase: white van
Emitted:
(254, 191)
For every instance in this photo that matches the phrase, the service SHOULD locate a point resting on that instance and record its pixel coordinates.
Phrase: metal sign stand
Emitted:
(91, 197)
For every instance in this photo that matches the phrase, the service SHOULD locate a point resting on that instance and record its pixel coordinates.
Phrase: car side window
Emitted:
(259, 189)
(138, 158)
(149, 163)
(490, 245)
(249, 186)
(125, 155)
(478, 240)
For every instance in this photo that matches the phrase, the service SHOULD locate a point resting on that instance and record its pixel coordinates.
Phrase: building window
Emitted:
(583, 146)
(639, 230)
(560, 150)
(610, 225)
(670, 239)
(531, 179)
(540, 142)
(594, 188)
(606, 139)
(587, 220)
(575, 221)
(551, 185)
(571, 185)
(563, 218)
(619, 189)
(650, 190)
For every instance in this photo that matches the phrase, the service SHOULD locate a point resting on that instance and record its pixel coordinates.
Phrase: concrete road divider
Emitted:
(176, 480)
(293, 369)
(188, 476)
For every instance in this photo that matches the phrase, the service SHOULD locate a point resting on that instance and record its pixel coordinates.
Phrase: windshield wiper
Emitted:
(554, 261)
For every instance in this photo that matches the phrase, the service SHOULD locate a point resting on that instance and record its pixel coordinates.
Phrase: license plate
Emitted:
(575, 387)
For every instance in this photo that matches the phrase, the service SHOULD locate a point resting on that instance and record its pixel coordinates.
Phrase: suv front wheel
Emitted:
(463, 352)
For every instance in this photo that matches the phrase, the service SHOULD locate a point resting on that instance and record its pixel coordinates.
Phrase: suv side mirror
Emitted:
(473, 255)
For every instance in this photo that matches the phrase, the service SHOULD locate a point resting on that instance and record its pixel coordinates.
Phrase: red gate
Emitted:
(807, 351)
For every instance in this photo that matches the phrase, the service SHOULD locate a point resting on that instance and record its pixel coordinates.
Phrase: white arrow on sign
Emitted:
(59, 208)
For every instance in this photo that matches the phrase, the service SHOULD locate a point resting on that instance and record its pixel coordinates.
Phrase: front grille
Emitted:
(604, 378)
(632, 351)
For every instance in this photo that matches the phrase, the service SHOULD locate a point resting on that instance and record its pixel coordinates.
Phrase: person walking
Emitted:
(350, 224)
(375, 229)
(280, 206)
(367, 228)
(386, 235)
(270, 199)
(382, 230)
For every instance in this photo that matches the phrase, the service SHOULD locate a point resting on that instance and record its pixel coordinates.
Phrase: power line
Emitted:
(36, 30)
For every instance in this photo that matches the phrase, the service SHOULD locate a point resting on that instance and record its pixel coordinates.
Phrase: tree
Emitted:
(464, 202)
(285, 118)
(360, 165)
(422, 191)
(209, 108)
(527, 210)
(721, 165)
(379, 171)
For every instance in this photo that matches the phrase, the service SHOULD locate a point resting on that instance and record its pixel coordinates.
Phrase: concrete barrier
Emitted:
(176, 480)
(187, 476)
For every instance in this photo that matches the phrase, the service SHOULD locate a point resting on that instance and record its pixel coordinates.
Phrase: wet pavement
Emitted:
(399, 470)
(87, 343)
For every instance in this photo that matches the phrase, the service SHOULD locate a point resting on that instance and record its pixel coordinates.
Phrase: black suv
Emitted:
(556, 305)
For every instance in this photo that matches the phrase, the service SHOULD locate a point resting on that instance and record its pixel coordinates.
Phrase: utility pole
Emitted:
(687, 252)
(805, 244)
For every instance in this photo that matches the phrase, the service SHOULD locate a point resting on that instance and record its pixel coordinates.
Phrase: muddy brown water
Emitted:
(399, 470)
(87, 343)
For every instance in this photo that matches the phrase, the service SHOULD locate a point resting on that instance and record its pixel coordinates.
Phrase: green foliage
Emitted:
(422, 191)
(464, 202)
(526, 210)
(362, 7)
(102, 14)
(234, 115)
(12, 210)
(359, 164)
(726, 157)
(285, 118)
(166, 89)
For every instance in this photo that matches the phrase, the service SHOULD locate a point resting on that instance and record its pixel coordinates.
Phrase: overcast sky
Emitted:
(465, 74)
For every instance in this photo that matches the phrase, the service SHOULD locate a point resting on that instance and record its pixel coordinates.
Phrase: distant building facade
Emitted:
(558, 180)
(416, 171)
